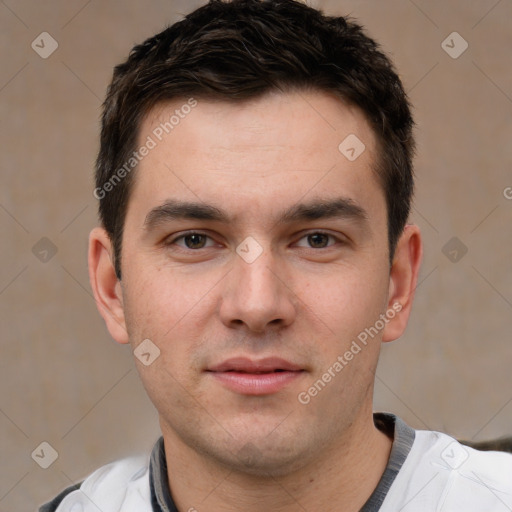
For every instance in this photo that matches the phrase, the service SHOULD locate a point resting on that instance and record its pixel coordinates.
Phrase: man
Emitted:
(255, 179)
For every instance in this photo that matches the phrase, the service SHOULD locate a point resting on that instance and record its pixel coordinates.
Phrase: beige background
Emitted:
(62, 378)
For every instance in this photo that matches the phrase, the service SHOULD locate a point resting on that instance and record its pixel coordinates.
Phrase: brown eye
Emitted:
(192, 241)
(318, 240)
(195, 241)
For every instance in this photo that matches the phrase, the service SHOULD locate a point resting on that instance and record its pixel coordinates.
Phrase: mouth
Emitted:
(250, 377)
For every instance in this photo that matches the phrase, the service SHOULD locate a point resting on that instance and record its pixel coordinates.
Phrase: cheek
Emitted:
(171, 310)
(160, 313)
(157, 296)
(347, 299)
(151, 310)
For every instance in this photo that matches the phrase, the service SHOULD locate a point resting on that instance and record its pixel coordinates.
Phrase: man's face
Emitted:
(271, 282)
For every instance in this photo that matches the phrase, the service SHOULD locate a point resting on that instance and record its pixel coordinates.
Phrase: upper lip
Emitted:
(246, 365)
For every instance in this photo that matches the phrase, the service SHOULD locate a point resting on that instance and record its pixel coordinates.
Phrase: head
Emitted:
(255, 178)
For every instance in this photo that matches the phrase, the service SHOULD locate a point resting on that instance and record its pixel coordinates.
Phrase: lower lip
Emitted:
(256, 383)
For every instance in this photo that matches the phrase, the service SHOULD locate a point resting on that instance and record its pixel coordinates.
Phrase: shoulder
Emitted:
(441, 474)
(121, 485)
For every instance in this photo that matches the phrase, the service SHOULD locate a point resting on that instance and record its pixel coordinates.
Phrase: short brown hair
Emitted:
(238, 50)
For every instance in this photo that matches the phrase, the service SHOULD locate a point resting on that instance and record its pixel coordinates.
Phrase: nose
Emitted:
(257, 295)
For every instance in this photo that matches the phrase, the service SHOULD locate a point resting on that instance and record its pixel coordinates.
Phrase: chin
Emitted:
(263, 457)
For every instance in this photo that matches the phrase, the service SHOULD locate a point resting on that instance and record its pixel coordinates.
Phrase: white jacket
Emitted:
(121, 486)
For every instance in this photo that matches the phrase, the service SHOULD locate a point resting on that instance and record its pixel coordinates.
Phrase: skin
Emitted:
(303, 299)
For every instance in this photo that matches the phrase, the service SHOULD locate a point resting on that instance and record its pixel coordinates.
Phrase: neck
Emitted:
(341, 478)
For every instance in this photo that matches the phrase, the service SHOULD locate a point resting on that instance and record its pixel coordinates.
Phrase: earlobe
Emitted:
(403, 281)
(105, 285)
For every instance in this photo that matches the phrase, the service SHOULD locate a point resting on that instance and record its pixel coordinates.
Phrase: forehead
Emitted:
(266, 153)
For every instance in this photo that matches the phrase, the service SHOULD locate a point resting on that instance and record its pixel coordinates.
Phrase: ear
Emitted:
(403, 281)
(105, 285)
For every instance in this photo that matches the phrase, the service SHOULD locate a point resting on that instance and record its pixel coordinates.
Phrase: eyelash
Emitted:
(190, 233)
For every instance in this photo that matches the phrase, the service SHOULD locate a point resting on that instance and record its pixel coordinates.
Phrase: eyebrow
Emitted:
(172, 209)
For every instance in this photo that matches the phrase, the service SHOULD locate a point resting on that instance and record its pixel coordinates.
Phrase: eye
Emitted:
(318, 240)
(192, 240)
